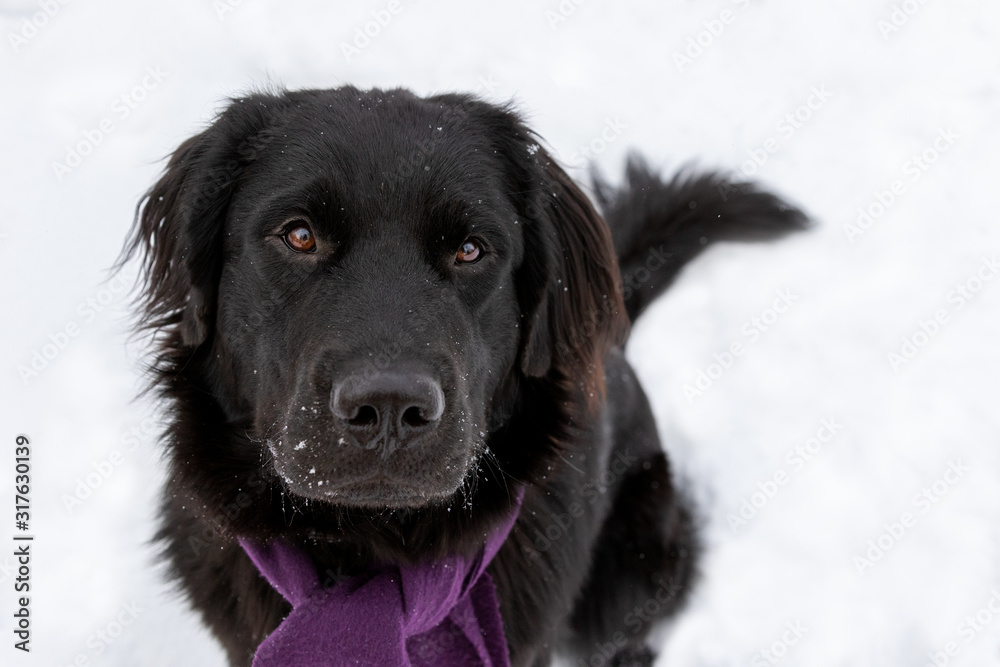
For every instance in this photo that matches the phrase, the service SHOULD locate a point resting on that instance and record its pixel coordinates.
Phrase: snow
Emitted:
(595, 79)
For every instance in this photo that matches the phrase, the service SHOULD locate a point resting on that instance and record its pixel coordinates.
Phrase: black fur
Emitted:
(678, 219)
(253, 337)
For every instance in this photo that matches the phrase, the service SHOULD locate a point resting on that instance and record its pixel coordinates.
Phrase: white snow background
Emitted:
(574, 69)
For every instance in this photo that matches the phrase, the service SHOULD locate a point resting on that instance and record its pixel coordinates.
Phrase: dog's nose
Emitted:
(390, 410)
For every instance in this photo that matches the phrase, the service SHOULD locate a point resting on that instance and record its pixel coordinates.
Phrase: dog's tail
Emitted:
(659, 226)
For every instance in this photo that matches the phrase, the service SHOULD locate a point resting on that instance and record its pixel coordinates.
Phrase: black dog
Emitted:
(378, 314)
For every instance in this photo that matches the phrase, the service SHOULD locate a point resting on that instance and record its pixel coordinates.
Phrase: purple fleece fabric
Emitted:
(441, 614)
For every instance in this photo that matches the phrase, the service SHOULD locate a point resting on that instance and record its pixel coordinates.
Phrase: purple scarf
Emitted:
(440, 614)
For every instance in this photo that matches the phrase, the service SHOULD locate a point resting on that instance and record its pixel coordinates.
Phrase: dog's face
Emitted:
(366, 277)
(367, 304)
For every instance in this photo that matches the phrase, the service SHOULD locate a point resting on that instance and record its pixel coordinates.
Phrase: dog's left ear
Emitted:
(179, 223)
(571, 281)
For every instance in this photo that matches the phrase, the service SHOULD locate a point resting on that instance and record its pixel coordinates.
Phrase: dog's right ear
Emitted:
(177, 232)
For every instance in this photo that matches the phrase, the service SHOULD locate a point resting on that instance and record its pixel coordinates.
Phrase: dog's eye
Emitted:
(469, 252)
(299, 237)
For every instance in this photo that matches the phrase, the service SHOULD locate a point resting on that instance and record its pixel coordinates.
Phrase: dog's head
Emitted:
(363, 281)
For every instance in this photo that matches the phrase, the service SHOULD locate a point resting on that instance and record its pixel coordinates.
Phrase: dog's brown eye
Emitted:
(299, 238)
(469, 252)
